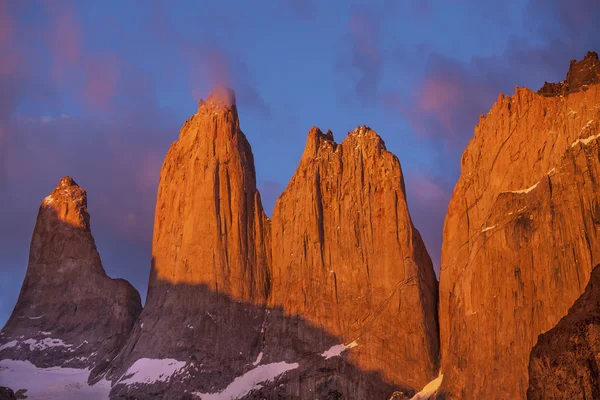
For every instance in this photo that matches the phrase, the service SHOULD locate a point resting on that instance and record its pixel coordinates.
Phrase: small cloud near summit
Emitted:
(222, 95)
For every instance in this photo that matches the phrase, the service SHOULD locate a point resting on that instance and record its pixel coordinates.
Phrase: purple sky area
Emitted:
(99, 89)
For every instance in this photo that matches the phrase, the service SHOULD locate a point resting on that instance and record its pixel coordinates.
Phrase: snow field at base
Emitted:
(251, 380)
(54, 383)
(149, 370)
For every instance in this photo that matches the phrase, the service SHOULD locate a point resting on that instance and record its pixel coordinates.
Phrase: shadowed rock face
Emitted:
(347, 258)
(581, 74)
(69, 313)
(564, 362)
(7, 394)
(520, 237)
(216, 305)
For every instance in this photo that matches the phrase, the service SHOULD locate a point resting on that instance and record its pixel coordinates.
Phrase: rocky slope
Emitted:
(69, 312)
(347, 258)
(523, 226)
(564, 362)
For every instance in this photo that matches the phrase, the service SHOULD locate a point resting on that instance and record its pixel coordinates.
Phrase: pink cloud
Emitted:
(102, 74)
(11, 59)
(6, 26)
(440, 97)
(428, 199)
(65, 42)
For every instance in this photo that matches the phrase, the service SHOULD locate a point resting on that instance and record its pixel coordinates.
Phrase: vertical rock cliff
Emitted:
(341, 303)
(521, 234)
(209, 279)
(347, 258)
(69, 313)
(564, 362)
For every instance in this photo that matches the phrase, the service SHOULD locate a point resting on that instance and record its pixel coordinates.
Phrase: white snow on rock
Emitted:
(150, 370)
(529, 189)
(488, 228)
(251, 380)
(8, 345)
(51, 383)
(258, 359)
(37, 317)
(585, 141)
(337, 350)
(45, 343)
(429, 390)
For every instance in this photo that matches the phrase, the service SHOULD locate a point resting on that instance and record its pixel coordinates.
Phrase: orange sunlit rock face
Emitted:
(520, 238)
(347, 257)
(210, 226)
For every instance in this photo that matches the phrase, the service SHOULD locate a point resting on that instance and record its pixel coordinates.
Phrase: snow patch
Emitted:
(429, 390)
(585, 141)
(488, 228)
(587, 125)
(8, 345)
(45, 343)
(529, 189)
(38, 317)
(51, 383)
(251, 380)
(45, 333)
(149, 370)
(337, 350)
(258, 359)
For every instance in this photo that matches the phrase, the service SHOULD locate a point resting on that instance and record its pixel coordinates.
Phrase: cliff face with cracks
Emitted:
(69, 312)
(312, 312)
(520, 238)
(347, 258)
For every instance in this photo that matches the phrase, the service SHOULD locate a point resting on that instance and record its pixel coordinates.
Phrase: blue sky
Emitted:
(99, 90)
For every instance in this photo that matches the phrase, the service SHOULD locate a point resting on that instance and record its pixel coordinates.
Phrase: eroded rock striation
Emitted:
(347, 258)
(69, 312)
(520, 238)
(564, 362)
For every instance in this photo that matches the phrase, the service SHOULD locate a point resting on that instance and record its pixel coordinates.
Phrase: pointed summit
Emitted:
(69, 312)
(346, 257)
(221, 98)
(209, 279)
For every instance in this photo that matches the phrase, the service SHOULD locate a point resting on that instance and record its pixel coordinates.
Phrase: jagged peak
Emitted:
(69, 201)
(364, 134)
(66, 181)
(316, 138)
(581, 74)
(361, 137)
